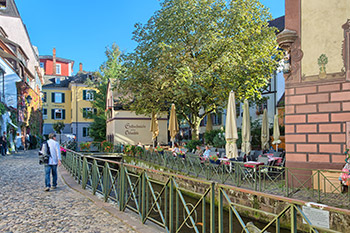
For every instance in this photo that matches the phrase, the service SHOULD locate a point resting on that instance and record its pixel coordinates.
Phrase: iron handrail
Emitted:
(134, 190)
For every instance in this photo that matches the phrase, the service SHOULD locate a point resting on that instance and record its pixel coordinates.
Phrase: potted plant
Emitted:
(138, 151)
(85, 146)
(107, 146)
(63, 151)
(160, 150)
(214, 159)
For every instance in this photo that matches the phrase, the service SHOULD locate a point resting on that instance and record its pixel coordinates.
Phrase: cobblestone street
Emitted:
(25, 207)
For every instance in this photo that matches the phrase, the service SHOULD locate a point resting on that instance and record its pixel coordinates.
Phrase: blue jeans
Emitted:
(53, 169)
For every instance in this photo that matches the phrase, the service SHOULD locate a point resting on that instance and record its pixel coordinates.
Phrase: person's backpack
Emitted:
(44, 153)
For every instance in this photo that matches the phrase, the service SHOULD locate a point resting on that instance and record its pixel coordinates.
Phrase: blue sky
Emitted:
(82, 29)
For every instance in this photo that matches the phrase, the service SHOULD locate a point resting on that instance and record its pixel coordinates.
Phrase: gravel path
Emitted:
(25, 207)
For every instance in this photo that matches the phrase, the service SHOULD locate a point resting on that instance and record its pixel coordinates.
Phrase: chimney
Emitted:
(80, 67)
(54, 61)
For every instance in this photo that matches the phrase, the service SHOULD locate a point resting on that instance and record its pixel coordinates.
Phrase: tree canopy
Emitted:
(194, 52)
(110, 69)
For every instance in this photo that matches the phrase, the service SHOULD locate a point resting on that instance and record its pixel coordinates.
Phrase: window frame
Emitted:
(88, 110)
(56, 110)
(86, 132)
(59, 70)
(44, 113)
(89, 95)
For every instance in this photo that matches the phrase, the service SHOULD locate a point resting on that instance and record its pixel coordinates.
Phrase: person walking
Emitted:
(3, 143)
(54, 160)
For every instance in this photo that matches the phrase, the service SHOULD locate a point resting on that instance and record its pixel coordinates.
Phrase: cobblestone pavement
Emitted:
(25, 207)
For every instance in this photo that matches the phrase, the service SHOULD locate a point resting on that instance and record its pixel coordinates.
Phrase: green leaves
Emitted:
(194, 52)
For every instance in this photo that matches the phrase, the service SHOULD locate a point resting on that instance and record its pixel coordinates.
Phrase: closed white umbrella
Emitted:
(231, 128)
(154, 127)
(265, 134)
(276, 132)
(246, 129)
(173, 124)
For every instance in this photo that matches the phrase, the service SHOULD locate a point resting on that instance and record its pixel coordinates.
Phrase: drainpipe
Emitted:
(76, 111)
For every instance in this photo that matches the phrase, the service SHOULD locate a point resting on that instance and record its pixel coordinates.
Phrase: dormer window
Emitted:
(57, 81)
(58, 68)
(2, 4)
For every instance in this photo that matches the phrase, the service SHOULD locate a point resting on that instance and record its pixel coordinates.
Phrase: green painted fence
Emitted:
(165, 203)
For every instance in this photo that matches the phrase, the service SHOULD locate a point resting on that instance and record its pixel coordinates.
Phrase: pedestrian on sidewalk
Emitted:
(3, 142)
(54, 160)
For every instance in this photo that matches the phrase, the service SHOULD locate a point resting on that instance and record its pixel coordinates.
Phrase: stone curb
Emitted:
(129, 218)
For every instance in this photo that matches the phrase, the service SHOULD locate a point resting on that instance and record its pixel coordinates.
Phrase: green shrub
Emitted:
(191, 144)
(210, 135)
(219, 140)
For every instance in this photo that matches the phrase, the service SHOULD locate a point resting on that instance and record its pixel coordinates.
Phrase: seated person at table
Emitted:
(198, 151)
(176, 149)
(206, 152)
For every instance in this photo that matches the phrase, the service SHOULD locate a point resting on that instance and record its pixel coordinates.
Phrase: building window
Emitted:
(58, 68)
(58, 114)
(87, 112)
(44, 113)
(57, 81)
(260, 108)
(88, 95)
(58, 97)
(86, 132)
(42, 65)
(44, 97)
(2, 4)
(217, 118)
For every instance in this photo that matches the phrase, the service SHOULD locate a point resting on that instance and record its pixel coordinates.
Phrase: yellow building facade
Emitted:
(68, 100)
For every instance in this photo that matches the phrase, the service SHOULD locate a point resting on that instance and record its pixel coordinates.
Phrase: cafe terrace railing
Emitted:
(166, 204)
(320, 186)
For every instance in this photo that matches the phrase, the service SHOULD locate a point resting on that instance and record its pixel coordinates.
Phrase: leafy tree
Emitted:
(111, 69)
(194, 52)
(58, 126)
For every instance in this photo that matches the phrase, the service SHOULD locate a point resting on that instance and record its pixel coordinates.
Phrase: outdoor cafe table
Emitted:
(271, 159)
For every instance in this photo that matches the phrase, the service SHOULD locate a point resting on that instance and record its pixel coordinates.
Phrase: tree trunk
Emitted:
(195, 129)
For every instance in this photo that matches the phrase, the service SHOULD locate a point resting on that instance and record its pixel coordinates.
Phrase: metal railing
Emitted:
(168, 205)
(320, 186)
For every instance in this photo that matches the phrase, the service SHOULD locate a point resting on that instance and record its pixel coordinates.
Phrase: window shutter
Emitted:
(52, 113)
(84, 132)
(84, 94)
(95, 111)
(84, 112)
(53, 97)
(63, 95)
(94, 95)
(63, 114)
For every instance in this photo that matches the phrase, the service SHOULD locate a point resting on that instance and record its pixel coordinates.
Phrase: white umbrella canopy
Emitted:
(265, 133)
(154, 127)
(276, 132)
(246, 148)
(173, 124)
(231, 134)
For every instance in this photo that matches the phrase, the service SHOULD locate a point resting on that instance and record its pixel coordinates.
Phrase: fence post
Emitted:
(143, 201)
(121, 186)
(171, 205)
(286, 178)
(212, 208)
(319, 185)
(293, 219)
(220, 212)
